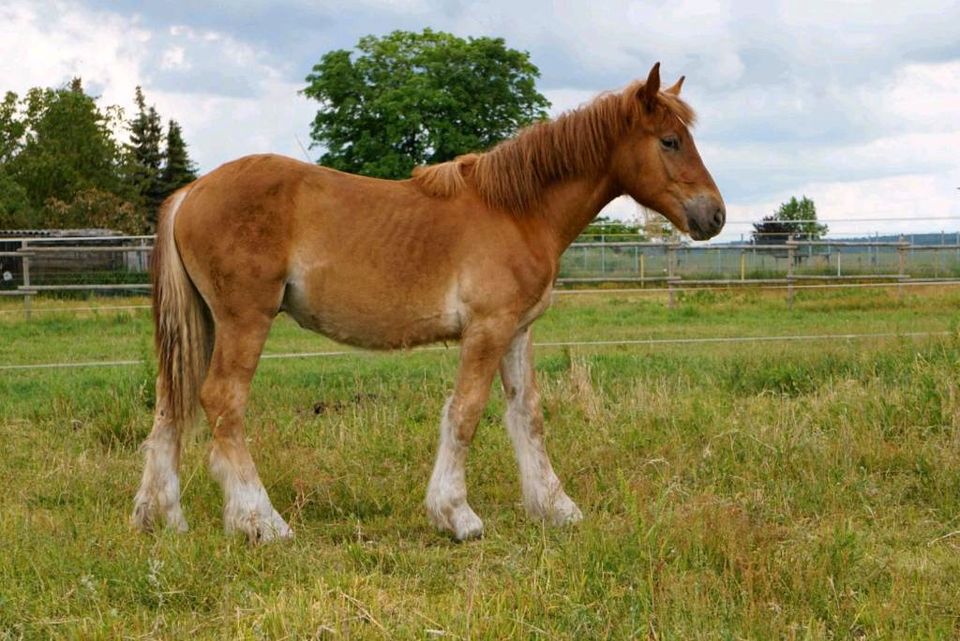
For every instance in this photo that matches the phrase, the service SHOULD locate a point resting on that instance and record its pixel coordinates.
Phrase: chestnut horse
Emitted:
(465, 250)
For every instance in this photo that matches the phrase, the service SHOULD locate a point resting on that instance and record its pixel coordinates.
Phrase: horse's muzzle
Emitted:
(705, 216)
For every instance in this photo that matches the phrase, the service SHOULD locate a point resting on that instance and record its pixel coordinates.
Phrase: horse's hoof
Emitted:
(274, 528)
(467, 526)
(565, 512)
(558, 510)
(461, 521)
(141, 520)
(144, 520)
(258, 528)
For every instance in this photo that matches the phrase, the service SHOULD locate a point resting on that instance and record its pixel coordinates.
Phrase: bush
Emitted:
(94, 208)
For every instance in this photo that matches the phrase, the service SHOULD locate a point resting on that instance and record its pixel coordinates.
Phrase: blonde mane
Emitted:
(514, 174)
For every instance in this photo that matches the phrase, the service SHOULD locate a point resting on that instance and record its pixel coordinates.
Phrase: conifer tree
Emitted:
(146, 138)
(178, 169)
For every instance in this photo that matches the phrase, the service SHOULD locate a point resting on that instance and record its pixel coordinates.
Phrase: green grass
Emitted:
(730, 491)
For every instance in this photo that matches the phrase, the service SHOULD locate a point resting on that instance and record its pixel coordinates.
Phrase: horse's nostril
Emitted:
(719, 217)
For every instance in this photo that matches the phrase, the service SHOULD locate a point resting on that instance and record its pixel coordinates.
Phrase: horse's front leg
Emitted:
(543, 495)
(482, 346)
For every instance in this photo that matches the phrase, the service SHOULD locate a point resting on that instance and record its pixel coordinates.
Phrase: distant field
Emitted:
(764, 490)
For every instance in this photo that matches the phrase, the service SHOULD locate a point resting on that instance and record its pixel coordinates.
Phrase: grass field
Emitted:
(769, 490)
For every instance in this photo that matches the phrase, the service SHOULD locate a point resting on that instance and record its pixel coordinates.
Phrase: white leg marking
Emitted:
(447, 492)
(543, 495)
(246, 507)
(159, 491)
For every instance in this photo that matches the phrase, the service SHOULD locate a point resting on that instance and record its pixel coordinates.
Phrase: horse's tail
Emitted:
(182, 326)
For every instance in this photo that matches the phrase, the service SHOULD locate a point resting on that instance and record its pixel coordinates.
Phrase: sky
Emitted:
(854, 104)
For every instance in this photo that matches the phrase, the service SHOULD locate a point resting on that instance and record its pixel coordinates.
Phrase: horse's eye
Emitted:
(670, 142)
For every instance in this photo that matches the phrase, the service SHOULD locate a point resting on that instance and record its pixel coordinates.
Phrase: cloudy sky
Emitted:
(855, 104)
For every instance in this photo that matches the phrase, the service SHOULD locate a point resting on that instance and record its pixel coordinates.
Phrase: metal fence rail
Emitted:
(31, 267)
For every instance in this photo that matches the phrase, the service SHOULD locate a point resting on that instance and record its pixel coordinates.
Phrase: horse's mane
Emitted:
(514, 173)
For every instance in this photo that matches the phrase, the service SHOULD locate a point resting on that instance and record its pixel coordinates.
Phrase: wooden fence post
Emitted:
(902, 263)
(25, 264)
(791, 254)
(671, 267)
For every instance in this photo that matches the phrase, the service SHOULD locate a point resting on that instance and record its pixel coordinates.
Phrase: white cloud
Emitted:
(220, 128)
(174, 58)
(900, 204)
(853, 104)
(925, 97)
(115, 54)
(562, 100)
(47, 44)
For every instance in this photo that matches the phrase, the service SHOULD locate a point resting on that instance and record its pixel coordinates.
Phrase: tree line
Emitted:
(62, 165)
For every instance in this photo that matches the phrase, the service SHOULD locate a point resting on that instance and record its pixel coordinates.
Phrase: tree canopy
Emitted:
(67, 145)
(408, 99)
(793, 219)
(62, 166)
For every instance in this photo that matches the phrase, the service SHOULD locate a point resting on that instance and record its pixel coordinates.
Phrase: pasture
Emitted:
(744, 490)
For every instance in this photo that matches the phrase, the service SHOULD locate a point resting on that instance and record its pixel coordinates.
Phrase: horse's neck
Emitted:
(569, 206)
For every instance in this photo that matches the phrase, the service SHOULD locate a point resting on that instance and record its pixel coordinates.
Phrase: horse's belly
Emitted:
(375, 320)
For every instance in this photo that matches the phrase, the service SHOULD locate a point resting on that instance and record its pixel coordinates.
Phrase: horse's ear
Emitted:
(648, 93)
(675, 89)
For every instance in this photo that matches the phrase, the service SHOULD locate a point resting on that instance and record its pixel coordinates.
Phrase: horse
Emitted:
(465, 250)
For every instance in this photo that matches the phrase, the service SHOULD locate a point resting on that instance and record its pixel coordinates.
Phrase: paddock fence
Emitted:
(118, 265)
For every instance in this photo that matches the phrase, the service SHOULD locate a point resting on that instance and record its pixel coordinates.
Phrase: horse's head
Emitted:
(657, 163)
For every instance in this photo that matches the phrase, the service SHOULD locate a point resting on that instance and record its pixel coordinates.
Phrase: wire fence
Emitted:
(118, 265)
(643, 342)
(49, 270)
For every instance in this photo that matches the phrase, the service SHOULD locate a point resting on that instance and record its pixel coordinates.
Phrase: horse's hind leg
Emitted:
(237, 346)
(159, 491)
(543, 495)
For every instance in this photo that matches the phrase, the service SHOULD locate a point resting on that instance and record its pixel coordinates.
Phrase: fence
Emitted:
(32, 266)
(791, 265)
(38, 266)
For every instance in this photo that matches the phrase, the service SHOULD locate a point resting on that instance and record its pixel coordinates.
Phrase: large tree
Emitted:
(67, 146)
(15, 209)
(408, 99)
(793, 219)
(12, 128)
